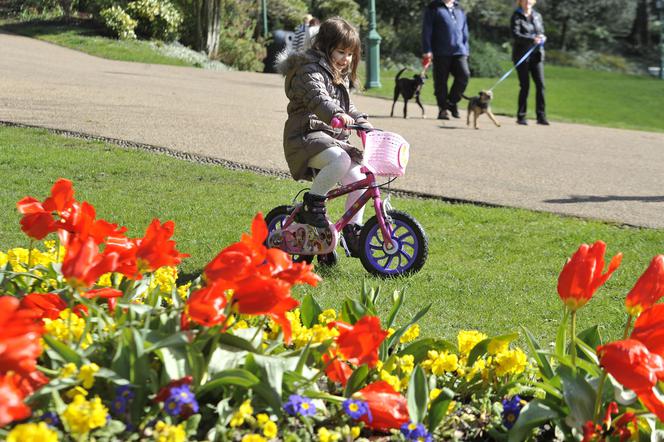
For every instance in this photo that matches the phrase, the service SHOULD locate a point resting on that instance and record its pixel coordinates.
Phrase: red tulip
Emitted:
(648, 289)
(38, 220)
(62, 196)
(649, 329)
(389, 409)
(631, 364)
(359, 343)
(156, 249)
(206, 306)
(282, 267)
(83, 264)
(49, 305)
(125, 249)
(11, 406)
(81, 220)
(336, 370)
(582, 274)
(20, 333)
(105, 293)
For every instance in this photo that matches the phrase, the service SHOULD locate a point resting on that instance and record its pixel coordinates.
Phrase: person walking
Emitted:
(445, 40)
(528, 31)
(301, 33)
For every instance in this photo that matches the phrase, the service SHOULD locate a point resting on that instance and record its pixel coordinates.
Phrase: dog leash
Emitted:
(506, 74)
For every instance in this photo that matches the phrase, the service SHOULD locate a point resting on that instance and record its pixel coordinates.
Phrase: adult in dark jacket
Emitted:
(528, 31)
(445, 39)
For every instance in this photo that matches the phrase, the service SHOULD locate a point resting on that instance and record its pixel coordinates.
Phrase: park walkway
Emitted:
(609, 174)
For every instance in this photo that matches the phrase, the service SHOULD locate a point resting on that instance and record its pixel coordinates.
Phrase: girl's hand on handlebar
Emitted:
(346, 119)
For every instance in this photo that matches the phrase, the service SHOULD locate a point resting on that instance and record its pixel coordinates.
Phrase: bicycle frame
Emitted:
(372, 192)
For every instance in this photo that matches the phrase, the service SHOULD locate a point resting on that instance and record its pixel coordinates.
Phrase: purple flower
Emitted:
(181, 402)
(356, 409)
(297, 404)
(414, 431)
(511, 410)
(123, 395)
(51, 419)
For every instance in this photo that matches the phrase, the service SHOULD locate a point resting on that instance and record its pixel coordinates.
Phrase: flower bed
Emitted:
(98, 341)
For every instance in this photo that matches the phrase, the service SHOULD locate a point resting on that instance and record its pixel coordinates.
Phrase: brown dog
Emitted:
(478, 105)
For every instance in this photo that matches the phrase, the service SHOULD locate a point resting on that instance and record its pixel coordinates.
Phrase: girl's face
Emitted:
(342, 58)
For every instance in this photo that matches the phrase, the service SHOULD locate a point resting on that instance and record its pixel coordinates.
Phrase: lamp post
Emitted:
(264, 13)
(373, 54)
(659, 4)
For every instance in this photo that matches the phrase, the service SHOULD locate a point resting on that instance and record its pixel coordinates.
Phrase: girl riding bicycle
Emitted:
(317, 86)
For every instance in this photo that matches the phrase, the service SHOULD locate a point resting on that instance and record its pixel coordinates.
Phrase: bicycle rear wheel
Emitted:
(409, 254)
(275, 220)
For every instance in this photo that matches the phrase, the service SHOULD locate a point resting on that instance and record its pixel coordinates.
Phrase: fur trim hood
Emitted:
(287, 61)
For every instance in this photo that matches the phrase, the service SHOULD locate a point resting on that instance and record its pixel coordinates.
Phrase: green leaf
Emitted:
(533, 414)
(420, 348)
(310, 311)
(274, 368)
(482, 347)
(54, 385)
(105, 373)
(270, 396)
(397, 302)
(439, 408)
(392, 340)
(175, 340)
(579, 395)
(561, 336)
(174, 361)
(234, 376)
(356, 380)
(66, 352)
(542, 362)
(417, 395)
(236, 342)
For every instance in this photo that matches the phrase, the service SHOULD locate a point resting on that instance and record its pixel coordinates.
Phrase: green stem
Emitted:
(573, 338)
(627, 326)
(30, 253)
(598, 399)
(261, 325)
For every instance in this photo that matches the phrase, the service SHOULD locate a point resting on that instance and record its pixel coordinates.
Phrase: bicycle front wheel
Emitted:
(410, 246)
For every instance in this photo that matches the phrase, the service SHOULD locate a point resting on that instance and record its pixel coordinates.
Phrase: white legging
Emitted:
(336, 166)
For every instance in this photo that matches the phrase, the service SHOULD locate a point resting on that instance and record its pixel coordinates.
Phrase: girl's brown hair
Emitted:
(337, 32)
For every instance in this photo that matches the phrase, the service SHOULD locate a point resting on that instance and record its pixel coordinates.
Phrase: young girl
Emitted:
(317, 85)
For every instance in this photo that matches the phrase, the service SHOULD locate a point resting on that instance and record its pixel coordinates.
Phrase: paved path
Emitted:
(608, 174)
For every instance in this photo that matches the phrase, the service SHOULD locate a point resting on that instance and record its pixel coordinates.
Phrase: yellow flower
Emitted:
(390, 332)
(164, 278)
(253, 438)
(497, 346)
(87, 375)
(391, 379)
(355, 432)
(169, 433)
(440, 363)
(81, 415)
(32, 433)
(411, 334)
(68, 328)
(76, 391)
(68, 370)
(183, 290)
(327, 316)
(434, 393)
(468, 339)
(406, 364)
(4, 259)
(270, 430)
(105, 280)
(242, 413)
(17, 257)
(325, 435)
(478, 367)
(511, 362)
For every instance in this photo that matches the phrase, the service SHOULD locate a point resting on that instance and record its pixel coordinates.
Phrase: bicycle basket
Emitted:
(386, 153)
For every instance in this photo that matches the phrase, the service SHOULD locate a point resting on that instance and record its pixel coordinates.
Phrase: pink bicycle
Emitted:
(391, 243)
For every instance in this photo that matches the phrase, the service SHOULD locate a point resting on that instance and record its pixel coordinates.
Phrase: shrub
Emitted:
(157, 19)
(286, 14)
(119, 22)
(484, 59)
(241, 52)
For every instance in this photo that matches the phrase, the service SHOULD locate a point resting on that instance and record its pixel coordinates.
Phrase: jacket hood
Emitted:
(286, 61)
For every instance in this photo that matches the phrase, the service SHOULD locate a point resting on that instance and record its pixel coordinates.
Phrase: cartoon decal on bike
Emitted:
(406, 249)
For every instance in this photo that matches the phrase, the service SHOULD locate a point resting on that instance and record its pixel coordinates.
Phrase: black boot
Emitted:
(313, 211)
(351, 233)
(454, 110)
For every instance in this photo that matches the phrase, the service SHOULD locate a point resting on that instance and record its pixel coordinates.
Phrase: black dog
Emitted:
(408, 88)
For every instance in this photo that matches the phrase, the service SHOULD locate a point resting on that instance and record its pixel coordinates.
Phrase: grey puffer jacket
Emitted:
(314, 100)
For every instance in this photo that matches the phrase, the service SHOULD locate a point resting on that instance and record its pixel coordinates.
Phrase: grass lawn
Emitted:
(491, 269)
(573, 95)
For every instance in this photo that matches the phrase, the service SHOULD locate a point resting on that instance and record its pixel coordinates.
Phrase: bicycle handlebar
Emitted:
(338, 123)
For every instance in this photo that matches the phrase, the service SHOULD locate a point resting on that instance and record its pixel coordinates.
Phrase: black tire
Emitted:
(274, 220)
(411, 253)
(329, 259)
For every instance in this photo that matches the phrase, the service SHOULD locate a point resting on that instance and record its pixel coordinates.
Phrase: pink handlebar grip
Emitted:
(337, 123)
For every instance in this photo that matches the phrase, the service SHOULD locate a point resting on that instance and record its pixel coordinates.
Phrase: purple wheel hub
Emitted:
(396, 260)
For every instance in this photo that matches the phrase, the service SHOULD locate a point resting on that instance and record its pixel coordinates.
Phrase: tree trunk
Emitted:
(639, 34)
(213, 9)
(563, 35)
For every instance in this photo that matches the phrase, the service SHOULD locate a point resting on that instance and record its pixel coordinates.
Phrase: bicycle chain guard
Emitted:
(304, 239)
